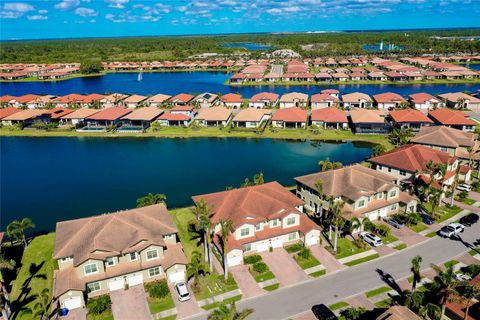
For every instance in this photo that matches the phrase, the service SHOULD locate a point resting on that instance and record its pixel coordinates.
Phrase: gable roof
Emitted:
(231, 98)
(293, 96)
(409, 115)
(183, 97)
(264, 96)
(158, 98)
(145, 114)
(80, 113)
(444, 136)
(110, 114)
(422, 97)
(319, 97)
(293, 114)
(329, 115)
(135, 98)
(455, 96)
(388, 97)
(5, 112)
(367, 116)
(251, 114)
(218, 113)
(447, 116)
(356, 97)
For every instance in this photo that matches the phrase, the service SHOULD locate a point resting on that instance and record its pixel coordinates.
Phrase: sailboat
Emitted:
(140, 77)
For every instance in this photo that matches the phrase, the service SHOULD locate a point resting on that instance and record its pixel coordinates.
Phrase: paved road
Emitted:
(289, 301)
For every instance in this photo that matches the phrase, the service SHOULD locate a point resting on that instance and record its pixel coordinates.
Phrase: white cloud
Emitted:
(118, 4)
(42, 11)
(37, 17)
(67, 4)
(86, 12)
(14, 10)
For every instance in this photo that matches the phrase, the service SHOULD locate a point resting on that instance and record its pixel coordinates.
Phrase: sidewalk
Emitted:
(245, 281)
(326, 258)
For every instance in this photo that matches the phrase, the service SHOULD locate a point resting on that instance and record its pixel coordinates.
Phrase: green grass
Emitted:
(182, 217)
(346, 248)
(388, 239)
(294, 247)
(468, 201)
(158, 305)
(376, 292)
(431, 234)
(107, 315)
(400, 246)
(172, 317)
(410, 279)
(419, 227)
(474, 252)
(263, 276)
(273, 287)
(338, 305)
(443, 213)
(307, 263)
(38, 252)
(450, 263)
(218, 304)
(362, 260)
(319, 273)
(384, 303)
(217, 284)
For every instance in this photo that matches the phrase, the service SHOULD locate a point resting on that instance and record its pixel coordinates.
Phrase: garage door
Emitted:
(311, 241)
(262, 247)
(277, 243)
(116, 285)
(73, 303)
(176, 276)
(234, 261)
(383, 212)
(373, 216)
(135, 280)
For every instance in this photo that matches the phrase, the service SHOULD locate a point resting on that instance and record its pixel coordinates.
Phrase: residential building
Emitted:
(357, 100)
(134, 101)
(263, 100)
(27, 117)
(93, 100)
(69, 100)
(251, 118)
(452, 118)
(231, 100)
(323, 100)
(139, 119)
(77, 117)
(157, 100)
(178, 116)
(293, 99)
(218, 116)
(329, 118)
(23, 101)
(398, 313)
(425, 102)
(389, 100)
(410, 119)
(113, 100)
(181, 99)
(367, 121)
(293, 117)
(5, 112)
(105, 253)
(460, 100)
(205, 100)
(366, 193)
(262, 216)
(105, 118)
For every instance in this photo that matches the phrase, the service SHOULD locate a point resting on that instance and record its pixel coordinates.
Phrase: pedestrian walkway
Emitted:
(360, 300)
(245, 281)
(326, 258)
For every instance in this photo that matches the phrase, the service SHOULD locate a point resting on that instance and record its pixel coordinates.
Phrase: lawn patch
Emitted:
(443, 213)
(157, 305)
(401, 246)
(182, 218)
(294, 247)
(272, 287)
(317, 274)
(345, 248)
(431, 234)
(378, 291)
(218, 304)
(384, 303)
(468, 201)
(263, 276)
(362, 260)
(450, 263)
(419, 227)
(474, 252)
(388, 239)
(338, 305)
(214, 284)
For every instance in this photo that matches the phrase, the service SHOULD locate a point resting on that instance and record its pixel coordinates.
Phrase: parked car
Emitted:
(464, 187)
(322, 312)
(394, 222)
(182, 291)
(428, 220)
(371, 239)
(451, 230)
(463, 277)
(469, 219)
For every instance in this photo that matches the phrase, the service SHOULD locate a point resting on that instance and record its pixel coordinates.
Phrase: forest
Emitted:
(181, 47)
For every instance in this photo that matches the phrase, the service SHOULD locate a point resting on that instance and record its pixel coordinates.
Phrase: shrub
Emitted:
(472, 270)
(305, 253)
(157, 289)
(368, 225)
(359, 243)
(260, 267)
(462, 195)
(412, 218)
(353, 313)
(99, 305)
(252, 259)
(294, 248)
(382, 230)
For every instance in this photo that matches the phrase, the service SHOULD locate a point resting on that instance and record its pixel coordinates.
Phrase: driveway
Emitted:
(187, 308)
(474, 195)
(406, 235)
(285, 269)
(130, 304)
(245, 281)
(326, 258)
(74, 314)
(384, 250)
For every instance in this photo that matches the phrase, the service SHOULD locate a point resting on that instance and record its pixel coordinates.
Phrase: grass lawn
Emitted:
(307, 263)
(362, 260)
(345, 248)
(431, 234)
(419, 227)
(36, 273)
(338, 305)
(172, 317)
(317, 274)
(213, 284)
(260, 277)
(273, 287)
(107, 315)
(376, 292)
(182, 218)
(450, 263)
(400, 246)
(443, 213)
(474, 252)
(158, 305)
(218, 304)
(388, 239)
(384, 303)
(468, 201)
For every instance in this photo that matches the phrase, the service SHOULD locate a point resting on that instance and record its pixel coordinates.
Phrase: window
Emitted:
(154, 271)
(66, 259)
(244, 232)
(90, 268)
(380, 167)
(361, 203)
(152, 254)
(290, 221)
(380, 195)
(389, 169)
(258, 227)
(94, 286)
(394, 206)
(393, 193)
(443, 149)
(292, 236)
(110, 261)
(403, 173)
(247, 247)
(132, 256)
(274, 222)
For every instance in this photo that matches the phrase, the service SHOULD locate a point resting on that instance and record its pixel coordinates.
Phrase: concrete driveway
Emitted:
(406, 235)
(285, 269)
(326, 258)
(130, 304)
(74, 314)
(187, 308)
(245, 281)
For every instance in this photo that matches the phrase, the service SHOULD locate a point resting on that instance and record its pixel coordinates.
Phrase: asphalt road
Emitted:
(290, 301)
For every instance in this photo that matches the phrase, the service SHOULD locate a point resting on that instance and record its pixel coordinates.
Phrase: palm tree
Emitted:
(226, 313)
(328, 165)
(17, 228)
(454, 184)
(447, 283)
(196, 267)
(258, 179)
(6, 264)
(356, 224)
(319, 189)
(416, 266)
(400, 137)
(337, 211)
(42, 306)
(430, 311)
(151, 199)
(434, 198)
(226, 229)
(378, 149)
(205, 225)
(467, 293)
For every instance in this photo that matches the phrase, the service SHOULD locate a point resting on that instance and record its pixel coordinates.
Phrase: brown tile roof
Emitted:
(355, 97)
(293, 114)
(329, 115)
(330, 91)
(25, 115)
(5, 112)
(135, 98)
(183, 97)
(80, 113)
(145, 114)
(251, 114)
(251, 204)
(158, 98)
(367, 116)
(112, 234)
(264, 96)
(455, 96)
(447, 116)
(444, 136)
(215, 114)
(409, 115)
(183, 108)
(110, 114)
(116, 97)
(388, 97)
(412, 158)
(422, 97)
(294, 96)
(319, 97)
(398, 313)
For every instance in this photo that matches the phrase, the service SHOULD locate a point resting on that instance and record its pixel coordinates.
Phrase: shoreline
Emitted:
(352, 83)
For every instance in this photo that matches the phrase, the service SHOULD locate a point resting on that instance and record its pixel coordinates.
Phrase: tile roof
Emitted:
(218, 113)
(398, 313)
(388, 97)
(447, 116)
(455, 96)
(356, 97)
(409, 115)
(293, 114)
(168, 115)
(207, 96)
(145, 114)
(26, 98)
(110, 114)
(231, 98)
(367, 116)
(294, 96)
(135, 98)
(251, 114)
(72, 97)
(422, 97)
(264, 96)
(57, 113)
(6, 98)
(158, 98)
(25, 115)
(444, 136)
(80, 113)
(320, 97)
(329, 115)
(5, 112)
(89, 98)
(183, 97)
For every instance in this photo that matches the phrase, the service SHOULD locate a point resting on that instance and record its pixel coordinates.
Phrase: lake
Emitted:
(59, 178)
(198, 82)
(251, 46)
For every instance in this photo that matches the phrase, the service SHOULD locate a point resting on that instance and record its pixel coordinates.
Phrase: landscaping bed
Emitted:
(302, 256)
(257, 268)
(338, 305)
(346, 248)
(100, 308)
(159, 297)
(214, 284)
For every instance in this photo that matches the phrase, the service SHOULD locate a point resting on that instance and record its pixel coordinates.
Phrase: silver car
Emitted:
(464, 187)
(394, 222)
(451, 230)
(182, 291)
(371, 239)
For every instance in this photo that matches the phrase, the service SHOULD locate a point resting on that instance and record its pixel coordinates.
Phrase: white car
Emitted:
(371, 239)
(463, 277)
(464, 187)
(182, 291)
(451, 230)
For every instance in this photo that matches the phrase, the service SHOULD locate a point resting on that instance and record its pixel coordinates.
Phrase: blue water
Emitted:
(252, 46)
(198, 82)
(474, 66)
(60, 178)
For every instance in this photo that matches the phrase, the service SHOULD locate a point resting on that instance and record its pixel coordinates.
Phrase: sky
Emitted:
(45, 19)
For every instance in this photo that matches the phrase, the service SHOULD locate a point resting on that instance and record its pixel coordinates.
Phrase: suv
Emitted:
(371, 239)
(469, 219)
(464, 187)
(322, 312)
(394, 222)
(451, 230)
(182, 291)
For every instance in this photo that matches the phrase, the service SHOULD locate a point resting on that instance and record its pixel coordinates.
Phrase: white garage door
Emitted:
(373, 216)
(262, 247)
(116, 284)
(383, 212)
(277, 243)
(311, 241)
(73, 303)
(176, 276)
(135, 279)
(234, 261)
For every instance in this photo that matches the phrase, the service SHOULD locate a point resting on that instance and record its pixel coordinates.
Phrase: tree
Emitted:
(204, 224)
(17, 228)
(454, 184)
(6, 264)
(378, 149)
(42, 305)
(195, 267)
(337, 211)
(400, 137)
(151, 199)
(416, 266)
(229, 313)
(328, 165)
(91, 66)
(319, 189)
(467, 293)
(433, 199)
(447, 283)
(226, 229)
(414, 300)
(356, 224)
(258, 179)
(430, 311)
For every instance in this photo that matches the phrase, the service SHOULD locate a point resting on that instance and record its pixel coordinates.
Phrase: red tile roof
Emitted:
(110, 114)
(388, 97)
(93, 97)
(264, 96)
(7, 98)
(73, 97)
(184, 97)
(174, 116)
(421, 97)
(319, 97)
(183, 108)
(26, 98)
(231, 98)
(450, 117)
(330, 115)
(293, 114)
(5, 112)
(409, 115)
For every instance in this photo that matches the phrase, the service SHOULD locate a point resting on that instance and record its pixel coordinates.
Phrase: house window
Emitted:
(403, 173)
(247, 247)
(380, 167)
(90, 268)
(274, 222)
(258, 227)
(132, 256)
(110, 261)
(292, 236)
(443, 149)
(94, 286)
(244, 232)
(393, 193)
(66, 259)
(380, 195)
(394, 206)
(152, 254)
(361, 203)
(290, 221)
(389, 169)
(154, 271)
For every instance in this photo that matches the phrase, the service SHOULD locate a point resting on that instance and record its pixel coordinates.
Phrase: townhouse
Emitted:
(410, 119)
(263, 100)
(251, 118)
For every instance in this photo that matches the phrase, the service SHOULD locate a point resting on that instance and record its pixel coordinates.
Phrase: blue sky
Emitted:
(41, 19)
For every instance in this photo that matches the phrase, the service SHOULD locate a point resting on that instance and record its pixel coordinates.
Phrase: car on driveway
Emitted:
(462, 277)
(394, 222)
(182, 291)
(371, 239)
(322, 312)
(464, 187)
(469, 219)
(428, 220)
(452, 229)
